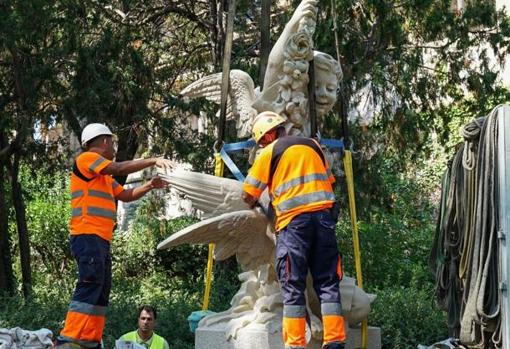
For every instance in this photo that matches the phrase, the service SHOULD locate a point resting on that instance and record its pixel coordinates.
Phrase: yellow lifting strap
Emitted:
(355, 238)
(218, 172)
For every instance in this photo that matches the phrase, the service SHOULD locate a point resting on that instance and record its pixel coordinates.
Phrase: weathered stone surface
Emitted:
(259, 338)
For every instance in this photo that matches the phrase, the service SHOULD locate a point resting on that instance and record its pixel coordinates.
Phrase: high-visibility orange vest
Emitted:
(298, 177)
(93, 197)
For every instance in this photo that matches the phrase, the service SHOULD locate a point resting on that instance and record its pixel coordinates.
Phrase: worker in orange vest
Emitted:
(300, 186)
(93, 218)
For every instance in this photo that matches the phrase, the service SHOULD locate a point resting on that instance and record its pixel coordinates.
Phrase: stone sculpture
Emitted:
(285, 83)
(235, 229)
(228, 221)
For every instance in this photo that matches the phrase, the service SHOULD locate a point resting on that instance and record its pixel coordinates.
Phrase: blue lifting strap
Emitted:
(231, 166)
(232, 147)
(332, 143)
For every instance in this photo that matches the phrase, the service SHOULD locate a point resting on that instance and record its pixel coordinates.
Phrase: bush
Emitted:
(173, 310)
(408, 316)
(396, 229)
(48, 213)
(42, 310)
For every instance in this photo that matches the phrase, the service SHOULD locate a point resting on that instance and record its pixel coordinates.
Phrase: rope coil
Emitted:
(465, 254)
(471, 133)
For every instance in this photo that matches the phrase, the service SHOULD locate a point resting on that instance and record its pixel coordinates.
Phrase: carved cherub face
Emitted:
(326, 84)
(327, 75)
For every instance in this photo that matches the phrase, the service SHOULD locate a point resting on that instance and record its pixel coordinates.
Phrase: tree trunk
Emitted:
(6, 273)
(213, 34)
(220, 37)
(265, 42)
(128, 145)
(21, 223)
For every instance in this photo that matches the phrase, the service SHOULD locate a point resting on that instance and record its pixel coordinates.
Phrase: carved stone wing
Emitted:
(210, 194)
(244, 233)
(240, 98)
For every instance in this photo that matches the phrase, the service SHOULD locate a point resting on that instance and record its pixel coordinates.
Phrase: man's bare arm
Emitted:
(124, 168)
(129, 195)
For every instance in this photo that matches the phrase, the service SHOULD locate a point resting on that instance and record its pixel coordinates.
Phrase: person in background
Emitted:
(145, 334)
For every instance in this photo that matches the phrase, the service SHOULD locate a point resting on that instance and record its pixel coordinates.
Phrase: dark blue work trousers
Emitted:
(93, 256)
(87, 310)
(308, 242)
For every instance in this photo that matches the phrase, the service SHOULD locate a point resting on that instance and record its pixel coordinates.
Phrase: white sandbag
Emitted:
(18, 338)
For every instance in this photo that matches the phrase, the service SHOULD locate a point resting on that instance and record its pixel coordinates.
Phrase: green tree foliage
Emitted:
(420, 52)
(75, 62)
(48, 217)
(29, 55)
(124, 63)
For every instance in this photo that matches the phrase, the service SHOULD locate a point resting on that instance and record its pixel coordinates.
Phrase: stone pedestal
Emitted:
(354, 338)
(260, 338)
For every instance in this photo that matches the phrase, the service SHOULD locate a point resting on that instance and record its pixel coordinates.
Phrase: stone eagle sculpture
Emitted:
(285, 84)
(235, 229)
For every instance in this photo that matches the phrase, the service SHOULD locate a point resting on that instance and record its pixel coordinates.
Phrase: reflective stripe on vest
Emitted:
(282, 188)
(97, 193)
(101, 212)
(305, 199)
(100, 194)
(95, 164)
(256, 183)
(76, 194)
(95, 211)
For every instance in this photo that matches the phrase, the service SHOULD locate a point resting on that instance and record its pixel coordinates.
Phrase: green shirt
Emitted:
(154, 342)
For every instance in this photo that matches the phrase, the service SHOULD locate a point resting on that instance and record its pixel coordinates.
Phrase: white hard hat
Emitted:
(91, 131)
